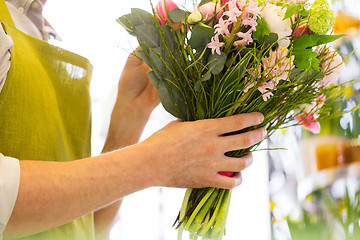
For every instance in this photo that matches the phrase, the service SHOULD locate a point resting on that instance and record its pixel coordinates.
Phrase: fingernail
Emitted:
(261, 118)
(263, 133)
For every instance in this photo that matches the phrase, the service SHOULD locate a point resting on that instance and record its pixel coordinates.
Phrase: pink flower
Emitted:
(253, 8)
(331, 64)
(233, 12)
(162, 8)
(250, 22)
(222, 27)
(308, 122)
(246, 37)
(215, 45)
(210, 9)
(277, 65)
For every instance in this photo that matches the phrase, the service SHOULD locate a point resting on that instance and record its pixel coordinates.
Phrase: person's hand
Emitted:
(191, 154)
(135, 88)
(137, 98)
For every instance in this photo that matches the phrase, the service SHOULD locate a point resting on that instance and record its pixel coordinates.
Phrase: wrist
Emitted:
(126, 126)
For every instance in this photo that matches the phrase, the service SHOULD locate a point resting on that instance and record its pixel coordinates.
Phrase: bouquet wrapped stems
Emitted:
(204, 212)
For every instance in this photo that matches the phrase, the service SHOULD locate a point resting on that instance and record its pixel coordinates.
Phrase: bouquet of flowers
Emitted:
(237, 56)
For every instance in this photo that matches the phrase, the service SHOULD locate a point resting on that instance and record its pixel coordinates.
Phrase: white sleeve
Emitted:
(6, 45)
(9, 187)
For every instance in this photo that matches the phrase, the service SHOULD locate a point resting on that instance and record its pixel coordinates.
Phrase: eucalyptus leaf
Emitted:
(169, 38)
(200, 36)
(153, 78)
(140, 17)
(172, 100)
(178, 15)
(143, 55)
(297, 73)
(206, 76)
(160, 63)
(125, 21)
(148, 34)
(217, 63)
(197, 86)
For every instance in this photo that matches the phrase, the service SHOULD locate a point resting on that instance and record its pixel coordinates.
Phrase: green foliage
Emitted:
(262, 29)
(201, 35)
(178, 15)
(305, 56)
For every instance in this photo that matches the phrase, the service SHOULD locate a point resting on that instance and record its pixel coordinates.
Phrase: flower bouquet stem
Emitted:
(204, 212)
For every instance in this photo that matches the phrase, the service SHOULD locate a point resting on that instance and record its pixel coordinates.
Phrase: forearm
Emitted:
(61, 192)
(126, 126)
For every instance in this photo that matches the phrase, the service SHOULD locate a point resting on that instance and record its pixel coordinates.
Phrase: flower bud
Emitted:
(302, 28)
(195, 17)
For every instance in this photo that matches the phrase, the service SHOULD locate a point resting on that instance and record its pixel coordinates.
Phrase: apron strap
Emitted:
(5, 16)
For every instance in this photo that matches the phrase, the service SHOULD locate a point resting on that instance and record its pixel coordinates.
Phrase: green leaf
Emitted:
(262, 29)
(141, 17)
(200, 36)
(125, 21)
(293, 9)
(297, 73)
(206, 76)
(178, 15)
(305, 57)
(217, 63)
(148, 34)
(153, 78)
(270, 40)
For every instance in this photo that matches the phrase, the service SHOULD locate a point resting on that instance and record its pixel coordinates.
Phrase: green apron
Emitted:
(45, 111)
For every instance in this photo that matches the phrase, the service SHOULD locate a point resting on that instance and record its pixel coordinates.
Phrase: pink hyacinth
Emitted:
(209, 10)
(222, 27)
(215, 45)
(277, 65)
(234, 12)
(162, 8)
(332, 65)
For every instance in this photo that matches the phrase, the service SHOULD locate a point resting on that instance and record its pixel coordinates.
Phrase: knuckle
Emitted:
(247, 139)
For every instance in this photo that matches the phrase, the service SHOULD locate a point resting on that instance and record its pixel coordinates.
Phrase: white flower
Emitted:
(274, 16)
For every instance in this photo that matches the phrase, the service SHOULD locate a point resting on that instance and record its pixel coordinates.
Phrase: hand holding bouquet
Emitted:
(237, 56)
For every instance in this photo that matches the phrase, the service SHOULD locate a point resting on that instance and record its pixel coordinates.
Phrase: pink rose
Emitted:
(162, 8)
(209, 9)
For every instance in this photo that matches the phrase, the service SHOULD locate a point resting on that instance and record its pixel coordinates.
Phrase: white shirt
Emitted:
(27, 17)
(9, 185)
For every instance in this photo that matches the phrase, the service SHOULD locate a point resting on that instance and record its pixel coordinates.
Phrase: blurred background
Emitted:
(314, 184)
